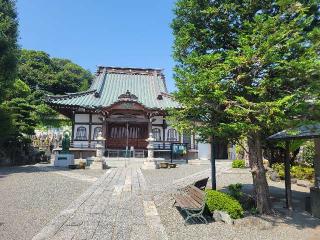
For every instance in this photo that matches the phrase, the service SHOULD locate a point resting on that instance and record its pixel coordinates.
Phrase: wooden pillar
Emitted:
(288, 176)
(317, 163)
(72, 131)
(104, 130)
(164, 126)
(90, 129)
(149, 126)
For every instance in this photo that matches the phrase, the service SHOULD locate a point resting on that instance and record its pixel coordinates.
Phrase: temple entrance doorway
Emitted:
(127, 135)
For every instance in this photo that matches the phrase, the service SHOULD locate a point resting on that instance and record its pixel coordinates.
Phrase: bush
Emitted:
(235, 190)
(238, 164)
(247, 201)
(223, 202)
(308, 153)
(299, 172)
(279, 168)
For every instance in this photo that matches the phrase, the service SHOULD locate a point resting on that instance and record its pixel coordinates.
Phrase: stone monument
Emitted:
(64, 158)
(98, 162)
(150, 162)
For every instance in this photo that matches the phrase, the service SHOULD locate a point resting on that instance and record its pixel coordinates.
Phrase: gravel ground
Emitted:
(298, 225)
(162, 177)
(31, 196)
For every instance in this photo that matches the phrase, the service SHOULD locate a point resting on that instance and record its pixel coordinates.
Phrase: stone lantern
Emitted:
(98, 162)
(150, 162)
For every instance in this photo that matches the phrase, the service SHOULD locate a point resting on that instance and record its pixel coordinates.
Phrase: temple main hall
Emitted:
(125, 104)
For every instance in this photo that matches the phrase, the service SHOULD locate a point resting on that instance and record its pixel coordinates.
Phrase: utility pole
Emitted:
(213, 165)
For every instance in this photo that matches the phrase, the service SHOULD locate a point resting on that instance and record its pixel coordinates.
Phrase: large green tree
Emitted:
(45, 75)
(9, 50)
(53, 75)
(9, 53)
(246, 68)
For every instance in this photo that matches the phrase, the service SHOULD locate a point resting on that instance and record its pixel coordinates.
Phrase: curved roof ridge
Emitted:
(101, 84)
(70, 95)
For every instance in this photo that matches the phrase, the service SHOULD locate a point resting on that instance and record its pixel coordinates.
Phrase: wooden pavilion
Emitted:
(311, 131)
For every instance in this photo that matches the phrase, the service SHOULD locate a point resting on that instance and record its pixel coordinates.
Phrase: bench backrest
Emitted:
(201, 184)
(196, 194)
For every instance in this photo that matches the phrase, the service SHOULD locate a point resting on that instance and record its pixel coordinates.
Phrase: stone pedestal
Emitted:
(97, 164)
(315, 201)
(150, 165)
(63, 160)
(150, 162)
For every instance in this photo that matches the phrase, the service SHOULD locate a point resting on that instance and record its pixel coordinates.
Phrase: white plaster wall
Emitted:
(95, 118)
(204, 150)
(81, 125)
(81, 118)
(157, 120)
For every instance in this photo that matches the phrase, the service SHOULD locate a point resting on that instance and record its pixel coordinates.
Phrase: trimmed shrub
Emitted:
(299, 172)
(235, 190)
(238, 163)
(223, 202)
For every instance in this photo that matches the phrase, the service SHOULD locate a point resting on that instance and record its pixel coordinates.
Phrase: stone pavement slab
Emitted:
(116, 206)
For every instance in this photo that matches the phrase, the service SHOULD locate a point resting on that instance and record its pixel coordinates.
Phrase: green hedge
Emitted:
(299, 172)
(223, 202)
(238, 163)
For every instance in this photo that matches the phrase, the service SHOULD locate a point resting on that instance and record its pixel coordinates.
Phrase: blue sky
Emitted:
(127, 33)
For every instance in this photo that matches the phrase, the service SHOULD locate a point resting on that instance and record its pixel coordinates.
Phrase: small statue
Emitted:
(65, 144)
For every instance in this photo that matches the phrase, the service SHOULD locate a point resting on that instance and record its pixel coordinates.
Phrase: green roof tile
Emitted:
(110, 83)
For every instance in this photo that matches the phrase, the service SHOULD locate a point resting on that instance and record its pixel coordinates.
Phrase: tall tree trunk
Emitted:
(261, 188)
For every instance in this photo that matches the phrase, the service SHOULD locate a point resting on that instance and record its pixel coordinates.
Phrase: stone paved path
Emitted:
(117, 206)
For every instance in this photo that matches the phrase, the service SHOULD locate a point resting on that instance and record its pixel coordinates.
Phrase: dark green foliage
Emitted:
(238, 163)
(246, 200)
(297, 171)
(235, 190)
(53, 75)
(221, 201)
(45, 75)
(308, 153)
(21, 111)
(6, 126)
(246, 68)
(9, 50)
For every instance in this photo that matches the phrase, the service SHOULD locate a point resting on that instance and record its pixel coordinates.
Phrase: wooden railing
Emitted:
(159, 145)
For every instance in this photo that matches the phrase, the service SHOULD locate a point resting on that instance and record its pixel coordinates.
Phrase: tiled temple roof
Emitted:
(147, 85)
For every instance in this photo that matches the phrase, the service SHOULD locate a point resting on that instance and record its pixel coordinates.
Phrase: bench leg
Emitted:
(195, 214)
(174, 203)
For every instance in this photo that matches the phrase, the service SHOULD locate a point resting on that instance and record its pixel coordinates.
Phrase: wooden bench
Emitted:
(192, 201)
(201, 184)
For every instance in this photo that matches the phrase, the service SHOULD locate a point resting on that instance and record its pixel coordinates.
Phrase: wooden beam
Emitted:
(288, 176)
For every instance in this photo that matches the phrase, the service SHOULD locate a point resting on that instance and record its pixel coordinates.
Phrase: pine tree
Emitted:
(246, 68)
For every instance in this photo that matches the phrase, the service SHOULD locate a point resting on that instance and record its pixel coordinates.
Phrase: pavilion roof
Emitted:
(146, 85)
(303, 132)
